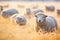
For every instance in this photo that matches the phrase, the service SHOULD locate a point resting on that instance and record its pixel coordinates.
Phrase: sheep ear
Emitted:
(35, 15)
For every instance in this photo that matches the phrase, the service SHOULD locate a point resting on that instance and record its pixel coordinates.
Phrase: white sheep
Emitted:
(19, 19)
(47, 23)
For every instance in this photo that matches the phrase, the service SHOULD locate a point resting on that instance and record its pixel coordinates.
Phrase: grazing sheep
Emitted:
(47, 23)
(50, 8)
(35, 7)
(58, 11)
(9, 13)
(1, 8)
(20, 6)
(28, 13)
(21, 20)
(6, 5)
(37, 11)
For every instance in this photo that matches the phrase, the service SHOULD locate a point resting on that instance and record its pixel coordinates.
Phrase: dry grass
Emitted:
(12, 31)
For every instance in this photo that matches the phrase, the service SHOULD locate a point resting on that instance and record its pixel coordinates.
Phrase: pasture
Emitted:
(9, 30)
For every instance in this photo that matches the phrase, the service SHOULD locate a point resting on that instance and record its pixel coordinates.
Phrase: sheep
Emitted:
(46, 23)
(19, 19)
(1, 8)
(10, 12)
(20, 6)
(58, 11)
(35, 7)
(28, 13)
(6, 5)
(50, 8)
(37, 11)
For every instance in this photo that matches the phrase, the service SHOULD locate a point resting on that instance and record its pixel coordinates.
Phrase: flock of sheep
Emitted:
(44, 22)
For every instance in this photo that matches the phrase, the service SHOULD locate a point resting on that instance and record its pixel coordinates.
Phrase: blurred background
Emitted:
(9, 30)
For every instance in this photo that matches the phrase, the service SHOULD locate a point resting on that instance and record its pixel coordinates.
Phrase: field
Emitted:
(9, 30)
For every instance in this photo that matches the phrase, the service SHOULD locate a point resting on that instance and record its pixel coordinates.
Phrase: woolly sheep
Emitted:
(8, 13)
(47, 23)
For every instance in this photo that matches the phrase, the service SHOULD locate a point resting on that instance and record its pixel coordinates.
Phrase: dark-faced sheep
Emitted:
(46, 23)
(1, 8)
(50, 8)
(58, 11)
(9, 13)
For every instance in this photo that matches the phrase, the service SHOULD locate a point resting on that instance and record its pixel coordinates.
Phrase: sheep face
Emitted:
(40, 18)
